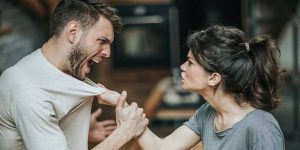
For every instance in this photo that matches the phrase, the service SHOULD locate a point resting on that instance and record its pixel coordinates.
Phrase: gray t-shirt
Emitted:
(258, 130)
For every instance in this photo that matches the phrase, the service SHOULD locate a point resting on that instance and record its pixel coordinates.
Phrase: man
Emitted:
(45, 99)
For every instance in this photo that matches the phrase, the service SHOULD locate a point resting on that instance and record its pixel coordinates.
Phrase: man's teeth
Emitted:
(96, 61)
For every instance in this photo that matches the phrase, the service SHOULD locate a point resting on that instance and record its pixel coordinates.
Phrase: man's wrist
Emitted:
(124, 133)
(115, 140)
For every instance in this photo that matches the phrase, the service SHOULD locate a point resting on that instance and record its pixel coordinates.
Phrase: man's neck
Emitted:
(56, 53)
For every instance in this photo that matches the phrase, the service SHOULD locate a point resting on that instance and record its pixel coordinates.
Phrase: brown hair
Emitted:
(86, 12)
(249, 69)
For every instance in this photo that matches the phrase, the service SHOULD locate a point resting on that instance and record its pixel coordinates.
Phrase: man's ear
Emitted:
(72, 31)
(214, 79)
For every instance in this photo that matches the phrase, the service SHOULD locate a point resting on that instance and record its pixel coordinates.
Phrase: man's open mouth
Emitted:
(92, 61)
(95, 60)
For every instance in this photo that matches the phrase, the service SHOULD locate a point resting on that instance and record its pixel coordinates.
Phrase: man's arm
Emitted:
(114, 141)
(131, 122)
(99, 130)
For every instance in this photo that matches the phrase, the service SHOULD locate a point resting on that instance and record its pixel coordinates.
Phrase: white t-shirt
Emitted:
(42, 108)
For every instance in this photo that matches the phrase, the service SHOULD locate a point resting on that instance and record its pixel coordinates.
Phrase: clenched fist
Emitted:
(130, 118)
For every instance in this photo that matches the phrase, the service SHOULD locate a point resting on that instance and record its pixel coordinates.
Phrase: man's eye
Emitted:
(103, 41)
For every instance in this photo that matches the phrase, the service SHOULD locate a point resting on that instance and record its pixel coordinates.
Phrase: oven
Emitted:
(149, 38)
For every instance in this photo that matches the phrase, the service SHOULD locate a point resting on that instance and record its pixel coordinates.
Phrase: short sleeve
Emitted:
(196, 122)
(264, 131)
(36, 121)
(270, 141)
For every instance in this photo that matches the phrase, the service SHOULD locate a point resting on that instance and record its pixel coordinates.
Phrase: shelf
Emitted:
(174, 114)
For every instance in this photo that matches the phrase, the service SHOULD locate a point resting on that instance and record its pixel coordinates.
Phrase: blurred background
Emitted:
(147, 53)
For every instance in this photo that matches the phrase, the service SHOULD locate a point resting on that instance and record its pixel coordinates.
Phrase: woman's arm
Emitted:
(131, 122)
(181, 138)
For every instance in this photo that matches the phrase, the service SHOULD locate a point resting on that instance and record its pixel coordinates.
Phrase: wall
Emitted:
(138, 82)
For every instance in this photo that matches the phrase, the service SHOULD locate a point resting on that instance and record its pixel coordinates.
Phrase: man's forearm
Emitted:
(114, 141)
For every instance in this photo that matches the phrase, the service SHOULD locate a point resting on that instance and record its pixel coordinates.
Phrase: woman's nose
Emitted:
(182, 66)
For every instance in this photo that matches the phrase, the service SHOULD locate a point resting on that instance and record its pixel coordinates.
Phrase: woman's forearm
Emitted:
(149, 141)
(181, 138)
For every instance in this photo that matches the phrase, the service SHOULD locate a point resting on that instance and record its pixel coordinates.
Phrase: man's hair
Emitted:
(86, 12)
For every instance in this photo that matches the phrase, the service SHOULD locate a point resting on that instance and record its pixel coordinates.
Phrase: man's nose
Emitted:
(106, 51)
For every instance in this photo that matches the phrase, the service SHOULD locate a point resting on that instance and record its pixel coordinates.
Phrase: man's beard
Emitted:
(76, 59)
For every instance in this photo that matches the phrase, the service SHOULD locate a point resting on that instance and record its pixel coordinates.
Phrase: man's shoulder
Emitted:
(19, 86)
(11, 78)
(22, 73)
(30, 94)
(15, 78)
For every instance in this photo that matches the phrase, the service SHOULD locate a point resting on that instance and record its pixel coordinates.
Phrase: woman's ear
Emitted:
(72, 31)
(214, 79)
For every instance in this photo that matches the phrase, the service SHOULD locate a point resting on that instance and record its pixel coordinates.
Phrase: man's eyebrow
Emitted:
(104, 39)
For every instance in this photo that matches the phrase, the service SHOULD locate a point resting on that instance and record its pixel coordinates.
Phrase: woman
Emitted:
(239, 80)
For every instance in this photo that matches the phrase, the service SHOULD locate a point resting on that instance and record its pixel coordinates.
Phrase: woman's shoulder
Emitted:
(204, 112)
(261, 122)
(258, 116)
(262, 129)
(205, 109)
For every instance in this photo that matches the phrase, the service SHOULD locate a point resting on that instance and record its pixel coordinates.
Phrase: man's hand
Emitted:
(131, 122)
(130, 118)
(99, 130)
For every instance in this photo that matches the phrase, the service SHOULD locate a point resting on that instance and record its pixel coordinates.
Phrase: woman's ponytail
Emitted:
(263, 89)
